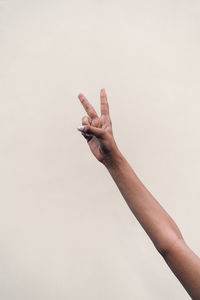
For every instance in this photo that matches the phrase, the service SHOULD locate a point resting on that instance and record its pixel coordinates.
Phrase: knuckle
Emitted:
(84, 118)
(86, 128)
(95, 122)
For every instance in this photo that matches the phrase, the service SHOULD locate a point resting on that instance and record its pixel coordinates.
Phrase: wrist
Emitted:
(113, 160)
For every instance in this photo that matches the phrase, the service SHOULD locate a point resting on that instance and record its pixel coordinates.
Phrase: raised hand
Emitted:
(98, 130)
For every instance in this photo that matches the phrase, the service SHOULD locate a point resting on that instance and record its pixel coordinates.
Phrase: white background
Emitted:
(65, 230)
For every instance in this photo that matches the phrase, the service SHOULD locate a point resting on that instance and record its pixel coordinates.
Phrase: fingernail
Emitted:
(81, 128)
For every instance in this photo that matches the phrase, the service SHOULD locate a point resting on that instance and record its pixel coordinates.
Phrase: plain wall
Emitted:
(65, 230)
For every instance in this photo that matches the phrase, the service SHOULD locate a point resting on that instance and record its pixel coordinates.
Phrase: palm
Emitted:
(96, 146)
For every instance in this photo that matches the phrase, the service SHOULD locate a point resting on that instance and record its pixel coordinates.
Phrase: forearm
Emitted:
(159, 226)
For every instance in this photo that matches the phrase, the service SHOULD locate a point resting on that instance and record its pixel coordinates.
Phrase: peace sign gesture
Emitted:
(98, 130)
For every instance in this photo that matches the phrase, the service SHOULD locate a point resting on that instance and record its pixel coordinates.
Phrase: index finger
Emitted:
(88, 107)
(104, 103)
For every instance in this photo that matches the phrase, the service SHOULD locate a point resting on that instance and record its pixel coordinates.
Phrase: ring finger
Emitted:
(86, 120)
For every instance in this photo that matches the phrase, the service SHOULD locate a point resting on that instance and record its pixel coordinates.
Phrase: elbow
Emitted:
(168, 247)
(163, 251)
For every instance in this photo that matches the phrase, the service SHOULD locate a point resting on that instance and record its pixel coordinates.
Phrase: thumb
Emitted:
(98, 132)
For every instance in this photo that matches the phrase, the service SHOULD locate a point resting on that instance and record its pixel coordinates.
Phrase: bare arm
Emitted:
(159, 226)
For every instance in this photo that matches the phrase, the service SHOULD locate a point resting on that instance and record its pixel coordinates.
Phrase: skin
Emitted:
(157, 223)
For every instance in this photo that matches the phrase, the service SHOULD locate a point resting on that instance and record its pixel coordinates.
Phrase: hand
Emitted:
(98, 130)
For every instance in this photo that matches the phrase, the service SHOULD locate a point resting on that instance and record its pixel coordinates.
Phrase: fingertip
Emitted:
(103, 92)
(80, 96)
